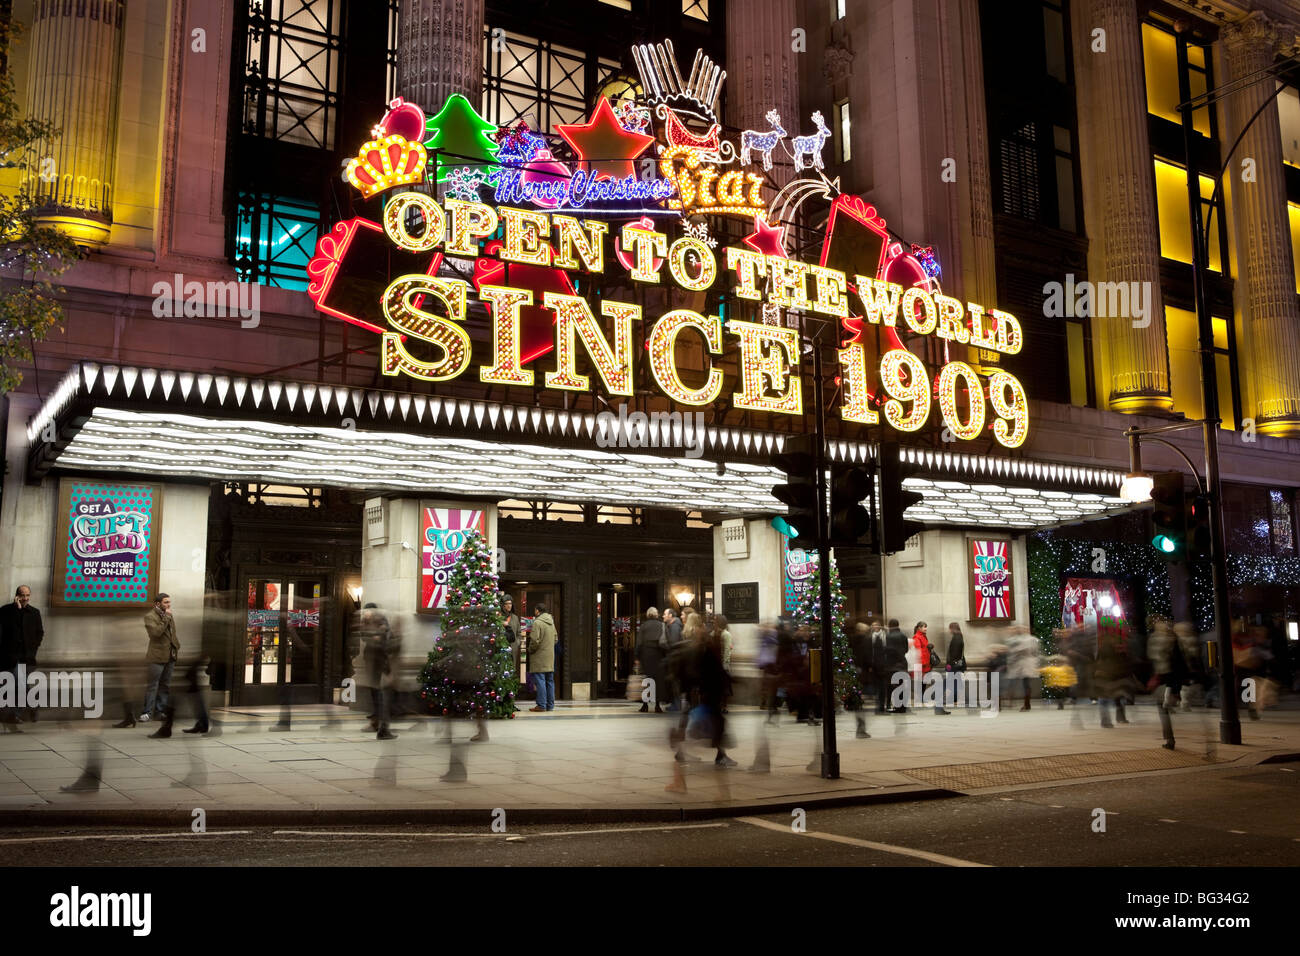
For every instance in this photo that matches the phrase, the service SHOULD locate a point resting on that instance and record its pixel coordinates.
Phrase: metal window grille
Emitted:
(538, 82)
(291, 70)
(275, 239)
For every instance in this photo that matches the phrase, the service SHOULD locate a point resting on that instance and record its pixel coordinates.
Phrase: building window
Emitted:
(1160, 57)
(1288, 114)
(1185, 365)
(1260, 520)
(1076, 350)
(1175, 218)
(839, 9)
(1293, 213)
(697, 9)
(541, 83)
(390, 55)
(275, 239)
(1028, 79)
(1283, 521)
(283, 495)
(291, 70)
(843, 132)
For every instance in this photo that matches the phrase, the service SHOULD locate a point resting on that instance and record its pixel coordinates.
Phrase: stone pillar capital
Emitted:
(1255, 33)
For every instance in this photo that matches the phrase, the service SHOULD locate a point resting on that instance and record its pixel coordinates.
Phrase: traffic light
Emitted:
(894, 500)
(799, 493)
(850, 522)
(1169, 516)
(1198, 528)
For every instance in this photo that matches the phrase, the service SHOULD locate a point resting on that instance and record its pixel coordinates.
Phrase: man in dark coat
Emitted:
(896, 645)
(21, 633)
(651, 642)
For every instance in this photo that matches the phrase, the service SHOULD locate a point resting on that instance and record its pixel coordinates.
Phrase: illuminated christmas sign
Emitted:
(526, 256)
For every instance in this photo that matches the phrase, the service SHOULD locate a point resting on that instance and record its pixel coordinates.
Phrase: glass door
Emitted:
(282, 638)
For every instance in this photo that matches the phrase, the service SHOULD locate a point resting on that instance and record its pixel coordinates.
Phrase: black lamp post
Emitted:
(1229, 722)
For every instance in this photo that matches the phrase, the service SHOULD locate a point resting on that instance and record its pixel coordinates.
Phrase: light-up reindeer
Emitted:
(811, 145)
(764, 142)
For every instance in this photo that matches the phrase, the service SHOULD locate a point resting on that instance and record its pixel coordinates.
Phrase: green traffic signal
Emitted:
(1164, 543)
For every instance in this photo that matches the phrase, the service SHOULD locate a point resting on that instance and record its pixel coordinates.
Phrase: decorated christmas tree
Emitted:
(471, 669)
(809, 614)
(459, 137)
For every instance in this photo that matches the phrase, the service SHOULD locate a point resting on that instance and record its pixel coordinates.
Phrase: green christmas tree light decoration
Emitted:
(459, 137)
(809, 614)
(471, 669)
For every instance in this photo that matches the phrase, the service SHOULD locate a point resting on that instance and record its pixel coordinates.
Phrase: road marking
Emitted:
(1242, 832)
(125, 836)
(549, 833)
(1164, 820)
(865, 844)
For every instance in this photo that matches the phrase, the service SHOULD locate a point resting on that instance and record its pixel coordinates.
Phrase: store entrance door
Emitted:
(282, 634)
(620, 610)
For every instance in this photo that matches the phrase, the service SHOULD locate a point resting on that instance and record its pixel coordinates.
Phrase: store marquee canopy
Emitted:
(171, 424)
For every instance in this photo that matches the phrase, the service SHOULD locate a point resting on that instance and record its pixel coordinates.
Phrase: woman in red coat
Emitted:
(921, 647)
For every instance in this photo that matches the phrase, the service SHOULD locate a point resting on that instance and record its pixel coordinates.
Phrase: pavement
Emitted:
(586, 761)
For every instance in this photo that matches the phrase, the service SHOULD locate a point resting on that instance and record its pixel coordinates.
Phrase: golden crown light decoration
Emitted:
(385, 163)
(549, 234)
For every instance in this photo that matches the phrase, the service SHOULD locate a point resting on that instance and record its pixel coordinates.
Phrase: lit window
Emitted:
(1185, 365)
(1175, 219)
(698, 9)
(539, 82)
(276, 238)
(291, 70)
(1293, 213)
(1077, 353)
(1160, 58)
(1288, 113)
(621, 4)
(841, 9)
(843, 131)
(1283, 524)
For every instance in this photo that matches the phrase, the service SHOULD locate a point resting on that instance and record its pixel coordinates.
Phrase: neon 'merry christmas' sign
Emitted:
(528, 262)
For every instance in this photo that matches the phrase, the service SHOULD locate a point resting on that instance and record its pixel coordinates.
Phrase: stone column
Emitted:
(1266, 284)
(763, 72)
(74, 83)
(979, 259)
(1113, 112)
(440, 51)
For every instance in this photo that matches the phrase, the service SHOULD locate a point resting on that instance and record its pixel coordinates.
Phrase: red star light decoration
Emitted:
(769, 240)
(604, 147)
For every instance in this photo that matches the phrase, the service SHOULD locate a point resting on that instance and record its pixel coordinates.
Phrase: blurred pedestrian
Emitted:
(722, 634)
(651, 646)
(1171, 671)
(896, 650)
(879, 670)
(1112, 677)
(1024, 660)
(379, 653)
(955, 668)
